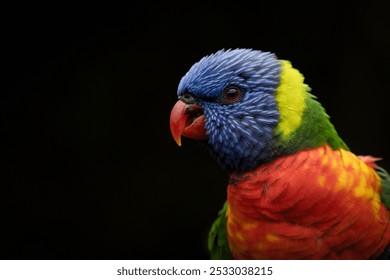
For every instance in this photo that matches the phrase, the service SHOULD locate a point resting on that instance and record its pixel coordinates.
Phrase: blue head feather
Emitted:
(240, 133)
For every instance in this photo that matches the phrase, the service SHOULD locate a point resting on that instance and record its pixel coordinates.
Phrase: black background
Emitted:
(90, 170)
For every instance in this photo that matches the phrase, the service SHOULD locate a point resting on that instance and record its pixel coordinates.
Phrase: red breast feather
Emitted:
(315, 204)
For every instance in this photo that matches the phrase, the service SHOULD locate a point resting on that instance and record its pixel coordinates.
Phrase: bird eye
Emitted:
(231, 94)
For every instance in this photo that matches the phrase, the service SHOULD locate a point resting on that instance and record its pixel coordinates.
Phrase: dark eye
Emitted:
(231, 94)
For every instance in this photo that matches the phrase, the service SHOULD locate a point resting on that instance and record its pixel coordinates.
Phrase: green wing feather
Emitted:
(385, 197)
(385, 177)
(218, 243)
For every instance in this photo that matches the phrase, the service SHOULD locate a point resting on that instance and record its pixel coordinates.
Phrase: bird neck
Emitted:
(303, 122)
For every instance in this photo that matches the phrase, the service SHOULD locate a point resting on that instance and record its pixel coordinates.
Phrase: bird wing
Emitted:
(385, 178)
(218, 243)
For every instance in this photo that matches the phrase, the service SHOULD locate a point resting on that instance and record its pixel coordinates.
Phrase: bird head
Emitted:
(227, 99)
(248, 107)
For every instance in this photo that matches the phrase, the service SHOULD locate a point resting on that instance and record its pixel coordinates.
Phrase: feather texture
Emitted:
(268, 209)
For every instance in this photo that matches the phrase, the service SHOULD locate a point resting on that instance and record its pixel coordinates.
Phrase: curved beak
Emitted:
(187, 120)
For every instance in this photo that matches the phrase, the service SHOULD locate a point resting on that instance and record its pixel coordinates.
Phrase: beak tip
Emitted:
(177, 121)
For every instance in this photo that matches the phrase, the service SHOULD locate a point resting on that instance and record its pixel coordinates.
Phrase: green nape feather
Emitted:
(218, 243)
(315, 130)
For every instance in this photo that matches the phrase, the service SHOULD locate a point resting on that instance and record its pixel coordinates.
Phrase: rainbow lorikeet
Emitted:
(295, 189)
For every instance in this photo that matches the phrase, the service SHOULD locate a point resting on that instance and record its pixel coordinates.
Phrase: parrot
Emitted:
(295, 190)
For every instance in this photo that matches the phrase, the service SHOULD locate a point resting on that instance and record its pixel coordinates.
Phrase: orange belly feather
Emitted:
(315, 204)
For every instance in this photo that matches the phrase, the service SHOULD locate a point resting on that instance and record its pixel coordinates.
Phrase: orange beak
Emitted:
(187, 120)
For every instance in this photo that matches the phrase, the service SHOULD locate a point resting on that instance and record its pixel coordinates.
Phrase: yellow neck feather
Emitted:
(290, 98)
